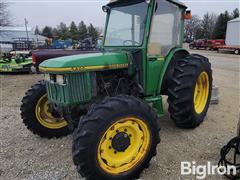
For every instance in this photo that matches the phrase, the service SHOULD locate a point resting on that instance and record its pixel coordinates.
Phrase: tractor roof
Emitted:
(177, 2)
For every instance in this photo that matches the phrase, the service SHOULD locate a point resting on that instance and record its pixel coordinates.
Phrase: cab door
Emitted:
(165, 34)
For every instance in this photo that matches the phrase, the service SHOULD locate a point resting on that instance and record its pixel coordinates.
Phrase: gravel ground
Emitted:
(26, 156)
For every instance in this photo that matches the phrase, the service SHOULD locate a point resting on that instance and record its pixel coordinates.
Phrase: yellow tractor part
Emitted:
(137, 136)
(201, 92)
(45, 117)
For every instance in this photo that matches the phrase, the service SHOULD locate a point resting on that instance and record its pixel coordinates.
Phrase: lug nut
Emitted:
(117, 131)
(125, 130)
(110, 147)
(115, 152)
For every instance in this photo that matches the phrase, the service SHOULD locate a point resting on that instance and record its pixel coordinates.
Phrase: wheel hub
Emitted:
(201, 92)
(123, 145)
(45, 117)
(120, 142)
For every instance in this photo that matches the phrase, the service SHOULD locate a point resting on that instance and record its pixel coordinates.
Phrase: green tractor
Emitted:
(113, 99)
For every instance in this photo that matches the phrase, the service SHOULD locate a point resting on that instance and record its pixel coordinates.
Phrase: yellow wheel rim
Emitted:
(45, 117)
(114, 161)
(201, 92)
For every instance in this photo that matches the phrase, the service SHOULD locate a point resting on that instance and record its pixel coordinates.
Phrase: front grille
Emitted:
(78, 89)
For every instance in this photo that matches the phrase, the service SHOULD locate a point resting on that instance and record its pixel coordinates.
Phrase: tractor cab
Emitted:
(144, 24)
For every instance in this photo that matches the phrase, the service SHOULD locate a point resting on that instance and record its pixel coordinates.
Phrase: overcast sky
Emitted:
(52, 12)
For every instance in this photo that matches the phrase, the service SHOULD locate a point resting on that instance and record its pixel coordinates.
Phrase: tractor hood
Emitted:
(86, 62)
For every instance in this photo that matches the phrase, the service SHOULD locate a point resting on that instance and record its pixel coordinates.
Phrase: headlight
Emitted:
(60, 79)
(47, 77)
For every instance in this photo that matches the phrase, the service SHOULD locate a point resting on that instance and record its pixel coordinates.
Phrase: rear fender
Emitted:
(167, 70)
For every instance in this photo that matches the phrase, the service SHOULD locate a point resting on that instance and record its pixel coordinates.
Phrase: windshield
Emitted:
(126, 25)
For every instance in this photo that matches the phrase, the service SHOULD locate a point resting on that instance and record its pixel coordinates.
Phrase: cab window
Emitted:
(166, 28)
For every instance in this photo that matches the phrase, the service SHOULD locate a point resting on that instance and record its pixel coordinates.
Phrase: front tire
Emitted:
(190, 91)
(36, 115)
(191, 46)
(116, 139)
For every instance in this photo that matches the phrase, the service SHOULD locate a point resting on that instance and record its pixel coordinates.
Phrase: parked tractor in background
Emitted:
(114, 98)
(207, 44)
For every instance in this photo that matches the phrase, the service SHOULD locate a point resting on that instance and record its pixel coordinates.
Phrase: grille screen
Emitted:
(78, 89)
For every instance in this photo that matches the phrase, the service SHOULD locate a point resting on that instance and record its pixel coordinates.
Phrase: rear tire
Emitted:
(35, 121)
(190, 91)
(104, 124)
(237, 51)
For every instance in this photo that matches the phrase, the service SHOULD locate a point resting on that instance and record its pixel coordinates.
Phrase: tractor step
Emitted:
(214, 98)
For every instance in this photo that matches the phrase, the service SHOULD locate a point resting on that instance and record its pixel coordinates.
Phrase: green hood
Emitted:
(86, 62)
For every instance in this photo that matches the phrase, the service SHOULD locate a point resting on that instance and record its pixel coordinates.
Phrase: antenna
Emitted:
(26, 23)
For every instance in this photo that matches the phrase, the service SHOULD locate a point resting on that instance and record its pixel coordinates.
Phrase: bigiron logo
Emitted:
(202, 171)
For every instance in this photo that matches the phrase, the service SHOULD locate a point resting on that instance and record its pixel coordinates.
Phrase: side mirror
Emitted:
(188, 15)
(106, 9)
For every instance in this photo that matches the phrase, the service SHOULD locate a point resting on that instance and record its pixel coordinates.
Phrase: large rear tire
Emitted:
(116, 139)
(36, 116)
(190, 91)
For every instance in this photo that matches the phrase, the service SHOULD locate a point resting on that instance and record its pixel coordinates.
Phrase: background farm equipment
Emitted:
(15, 61)
(232, 37)
(87, 44)
(40, 55)
(206, 44)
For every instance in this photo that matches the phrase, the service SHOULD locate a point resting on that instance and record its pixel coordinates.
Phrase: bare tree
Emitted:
(208, 24)
(192, 27)
(4, 14)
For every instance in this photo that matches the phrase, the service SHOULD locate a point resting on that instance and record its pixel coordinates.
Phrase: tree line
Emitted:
(74, 32)
(211, 26)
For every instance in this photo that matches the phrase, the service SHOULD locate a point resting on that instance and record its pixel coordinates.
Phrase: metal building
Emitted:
(18, 38)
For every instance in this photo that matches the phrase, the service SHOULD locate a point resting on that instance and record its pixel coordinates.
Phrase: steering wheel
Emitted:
(131, 41)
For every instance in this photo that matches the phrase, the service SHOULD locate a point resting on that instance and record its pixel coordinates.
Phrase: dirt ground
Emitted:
(26, 156)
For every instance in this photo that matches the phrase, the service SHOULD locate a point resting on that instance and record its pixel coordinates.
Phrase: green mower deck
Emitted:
(12, 66)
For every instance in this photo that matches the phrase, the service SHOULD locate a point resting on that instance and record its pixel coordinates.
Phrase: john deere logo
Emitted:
(81, 68)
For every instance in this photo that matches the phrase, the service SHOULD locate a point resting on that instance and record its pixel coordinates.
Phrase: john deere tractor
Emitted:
(113, 99)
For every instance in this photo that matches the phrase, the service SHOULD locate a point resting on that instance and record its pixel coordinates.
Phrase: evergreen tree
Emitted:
(55, 33)
(47, 32)
(37, 31)
(221, 25)
(73, 31)
(82, 30)
(235, 13)
(63, 31)
(92, 31)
